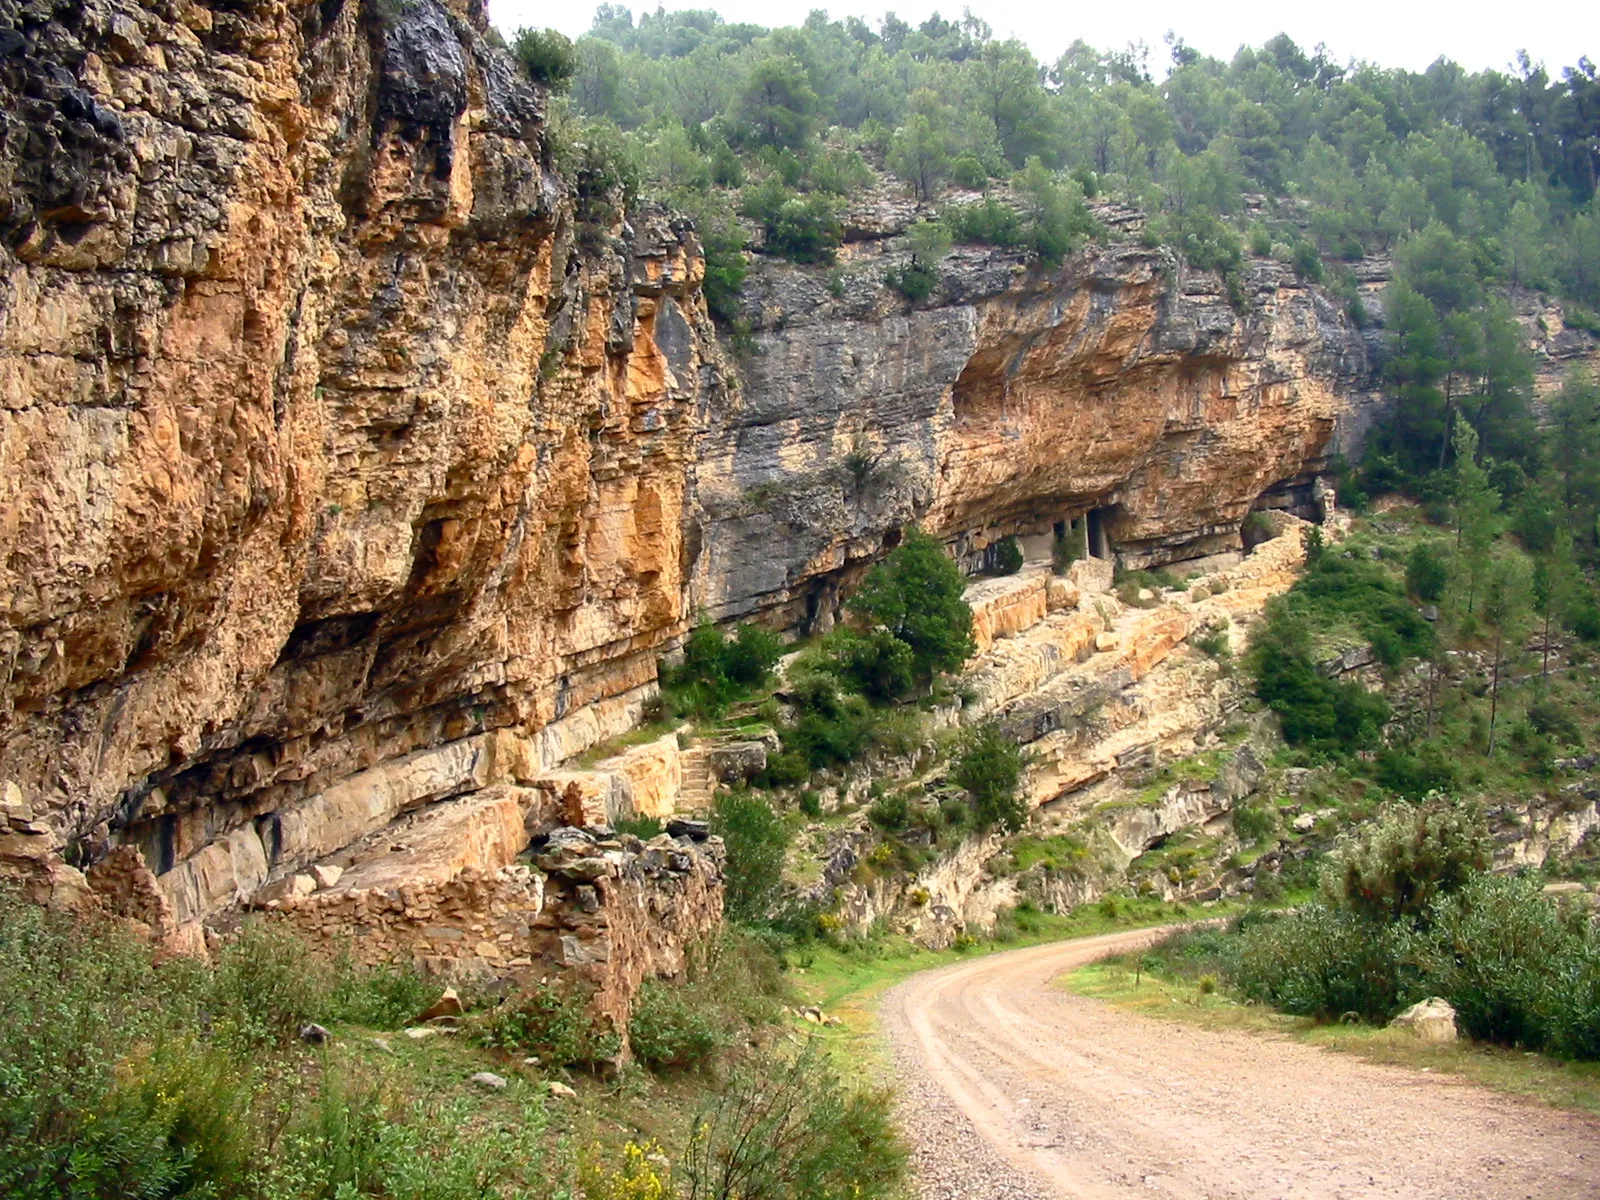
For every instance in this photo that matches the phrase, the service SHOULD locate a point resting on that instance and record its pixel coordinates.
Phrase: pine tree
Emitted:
(1477, 505)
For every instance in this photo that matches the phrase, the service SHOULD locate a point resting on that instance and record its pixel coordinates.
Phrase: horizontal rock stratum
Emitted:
(353, 460)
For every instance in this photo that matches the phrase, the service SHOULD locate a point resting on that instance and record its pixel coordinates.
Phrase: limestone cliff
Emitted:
(1014, 400)
(329, 433)
(355, 460)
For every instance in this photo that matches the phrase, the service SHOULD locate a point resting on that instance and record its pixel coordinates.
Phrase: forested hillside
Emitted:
(1472, 184)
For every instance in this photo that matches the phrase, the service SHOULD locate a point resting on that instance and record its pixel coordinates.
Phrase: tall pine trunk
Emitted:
(1494, 687)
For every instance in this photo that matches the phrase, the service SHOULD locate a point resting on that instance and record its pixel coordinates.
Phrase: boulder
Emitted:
(327, 875)
(488, 1079)
(447, 1005)
(737, 762)
(1351, 660)
(561, 1090)
(1430, 1020)
(1241, 775)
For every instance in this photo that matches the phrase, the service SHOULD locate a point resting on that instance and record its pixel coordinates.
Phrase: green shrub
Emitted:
(1253, 822)
(876, 664)
(716, 670)
(356, 1140)
(380, 997)
(553, 1021)
(548, 56)
(122, 1077)
(1427, 572)
(801, 229)
(1416, 773)
(785, 769)
(787, 1127)
(756, 839)
(1315, 711)
(1069, 547)
(1215, 643)
(968, 172)
(672, 1027)
(988, 222)
(989, 766)
(1498, 951)
(913, 281)
(1007, 555)
(892, 812)
(262, 991)
(1553, 720)
(1324, 962)
(1411, 856)
(1307, 262)
(831, 728)
(1585, 621)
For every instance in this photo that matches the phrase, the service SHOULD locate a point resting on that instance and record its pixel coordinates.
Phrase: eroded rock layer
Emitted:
(356, 461)
(1123, 389)
(330, 436)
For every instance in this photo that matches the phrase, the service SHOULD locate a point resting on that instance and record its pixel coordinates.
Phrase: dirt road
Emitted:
(1014, 1088)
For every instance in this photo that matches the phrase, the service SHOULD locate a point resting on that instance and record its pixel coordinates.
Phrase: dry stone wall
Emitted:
(606, 912)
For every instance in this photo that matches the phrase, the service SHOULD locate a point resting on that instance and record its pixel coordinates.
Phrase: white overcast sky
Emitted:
(1400, 33)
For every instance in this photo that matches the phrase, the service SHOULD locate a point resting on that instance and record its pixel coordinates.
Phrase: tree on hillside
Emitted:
(989, 766)
(915, 595)
(1555, 587)
(777, 102)
(1505, 612)
(920, 153)
(1574, 448)
(1477, 508)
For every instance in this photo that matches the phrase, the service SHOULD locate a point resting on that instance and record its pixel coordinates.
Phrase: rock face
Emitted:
(330, 434)
(1123, 390)
(356, 462)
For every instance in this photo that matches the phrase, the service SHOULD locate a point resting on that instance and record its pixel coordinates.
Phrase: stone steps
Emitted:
(698, 785)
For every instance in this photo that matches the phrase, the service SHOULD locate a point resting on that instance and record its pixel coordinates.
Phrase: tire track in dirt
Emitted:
(1015, 1089)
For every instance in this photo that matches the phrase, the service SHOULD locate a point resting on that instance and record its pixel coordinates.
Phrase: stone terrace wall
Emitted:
(609, 912)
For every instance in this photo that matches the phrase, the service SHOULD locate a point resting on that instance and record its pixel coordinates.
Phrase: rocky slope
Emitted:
(355, 462)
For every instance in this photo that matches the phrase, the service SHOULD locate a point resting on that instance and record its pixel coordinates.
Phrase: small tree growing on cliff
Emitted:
(915, 595)
(989, 765)
(756, 840)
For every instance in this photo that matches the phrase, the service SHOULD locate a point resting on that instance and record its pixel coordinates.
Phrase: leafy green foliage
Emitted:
(1516, 970)
(548, 56)
(1405, 861)
(788, 1126)
(553, 1021)
(989, 766)
(915, 595)
(667, 1028)
(891, 812)
(1007, 555)
(1316, 712)
(1426, 572)
(988, 222)
(717, 669)
(123, 1076)
(1069, 546)
(803, 229)
(756, 840)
